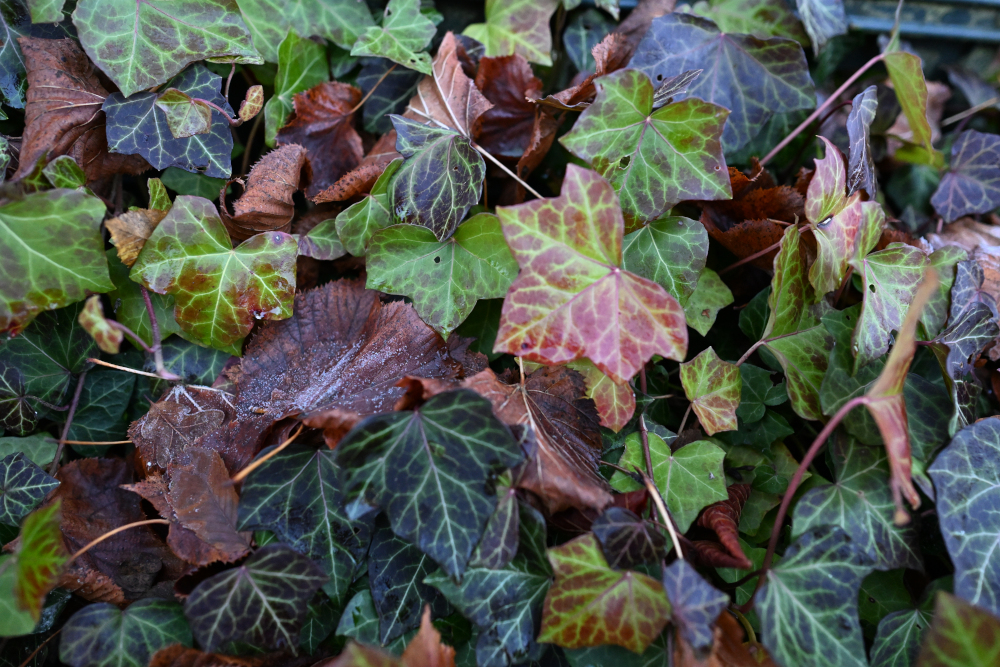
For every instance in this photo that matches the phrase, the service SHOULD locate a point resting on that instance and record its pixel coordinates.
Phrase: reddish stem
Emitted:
(69, 422)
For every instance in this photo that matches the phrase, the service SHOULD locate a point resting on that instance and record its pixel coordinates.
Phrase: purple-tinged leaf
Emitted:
(695, 604)
(628, 540)
(972, 183)
(861, 166)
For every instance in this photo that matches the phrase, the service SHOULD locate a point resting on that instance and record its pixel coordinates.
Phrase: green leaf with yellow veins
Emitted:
(141, 45)
(615, 401)
(159, 200)
(444, 279)
(64, 172)
(803, 358)
(360, 221)
(713, 387)
(301, 65)
(908, 81)
(218, 291)
(590, 604)
(92, 319)
(571, 299)
(654, 159)
(340, 21)
(890, 278)
(670, 251)
(53, 254)
(517, 26)
(689, 479)
(252, 103)
(185, 116)
(760, 18)
(710, 296)
(962, 635)
(790, 293)
(404, 33)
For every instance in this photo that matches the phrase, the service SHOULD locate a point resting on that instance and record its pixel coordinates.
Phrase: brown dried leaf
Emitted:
(130, 230)
(508, 83)
(356, 182)
(426, 649)
(728, 649)
(383, 152)
(449, 97)
(62, 112)
(723, 518)
(175, 423)
(324, 125)
(610, 55)
(178, 655)
(266, 205)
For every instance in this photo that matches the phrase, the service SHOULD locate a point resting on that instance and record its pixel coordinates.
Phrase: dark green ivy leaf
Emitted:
(321, 619)
(899, 636)
(670, 251)
(967, 289)
(583, 32)
(499, 543)
(102, 635)
(16, 413)
(440, 180)
(301, 65)
(340, 21)
(393, 93)
(192, 363)
(431, 471)
(296, 495)
(23, 486)
(397, 570)
(695, 604)
(360, 622)
(135, 125)
(628, 540)
(861, 165)
(103, 401)
(972, 182)
(757, 392)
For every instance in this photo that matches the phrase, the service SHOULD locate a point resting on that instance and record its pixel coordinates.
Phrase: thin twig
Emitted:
(28, 660)
(369, 93)
(110, 533)
(500, 164)
(643, 431)
(969, 112)
(246, 148)
(242, 474)
(97, 443)
(654, 493)
(750, 258)
(233, 122)
(229, 80)
(69, 422)
(123, 368)
(684, 419)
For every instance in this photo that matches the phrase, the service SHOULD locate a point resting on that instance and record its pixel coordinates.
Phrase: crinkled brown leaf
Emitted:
(130, 230)
(177, 422)
(323, 123)
(723, 518)
(448, 97)
(356, 182)
(508, 83)
(267, 205)
(62, 112)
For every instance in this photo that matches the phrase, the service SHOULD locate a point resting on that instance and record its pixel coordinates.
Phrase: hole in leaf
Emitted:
(659, 77)
(437, 260)
(624, 162)
(871, 288)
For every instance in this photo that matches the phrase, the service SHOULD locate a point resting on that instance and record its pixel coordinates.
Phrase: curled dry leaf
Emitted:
(62, 113)
(610, 55)
(723, 518)
(323, 123)
(267, 205)
(509, 84)
(252, 103)
(356, 182)
(130, 230)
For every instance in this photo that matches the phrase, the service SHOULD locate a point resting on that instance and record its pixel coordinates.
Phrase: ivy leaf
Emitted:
(713, 386)
(355, 225)
(808, 605)
(945, 261)
(262, 602)
(505, 603)
(671, 252)
(756, 78)
(689, 479)
(439, 460)
(500, 540)
(615, 402)
(860, 503)
(757, 391)
(23, 486)
(185, 117)
(959, 345)
(295, 494)
(444, 279)
(803, 358)
(861, 166)
(39, 448)
(551, 325)
(130, 308)
(907, 77)
(710, 296)
(405, 31)
(760, 18)
(359, 621)
(654, 159)
(440, 179)
(961, 634)
(53, 254)
(823, 20)
(390, 97)
(235, 286)
(136, 126)
(92, 319)
(583, 32)
(301, 65)
(627, 540)
(590, 604)
(64, 172)
(269, 21)
(517, 26)
(972, 182)
(899, 637)
(321, 619)
(142, 45)
(102, 635)
(397, 571)
(966, 475)
(695, 604)
(40, 558)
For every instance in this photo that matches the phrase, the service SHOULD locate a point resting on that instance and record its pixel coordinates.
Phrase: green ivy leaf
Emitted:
(690, 479)
(444, 279)
(654, 159)
(39, 448)
(142, 45)
(908, 82)
(340, 21)
(671, 252)
(972, 182)
(589, 603)
(234, 286)
(193, 364)
(321, 619)
(516, 26)
(359, 621)
(695, 604)
(482, 325)
(185, 117)
(102, 635)
(808, 605)
(186, 183)
(129, 308)
(753, 77)
(713, 386)
(760, 18)
(23, 486)
(398, 571)
(137, 126)
(40, 558)
(103, 401)
(757, 391)
(355, 225)
(16, 21)
(950, 265)
(301, 65)
(262, 602)
(966, 475)
(429, 470)
(390, 97)
(14, 621)
(899, 637)
(295, 495)
(440, 179)
(860, 502)
(961, 635)
(53, 254)
(405, 31)
(500, 540)
(64, 172)
(584, 31)
(710, 296)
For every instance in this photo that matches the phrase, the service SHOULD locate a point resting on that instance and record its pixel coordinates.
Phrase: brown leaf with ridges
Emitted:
(449, 97)
(610, 55)
(508, 83)
(323, 123)
(723, 518)
(356, 182)
(266, 204)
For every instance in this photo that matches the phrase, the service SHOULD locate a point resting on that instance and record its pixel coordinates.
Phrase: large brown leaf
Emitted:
(448, 97)
(508, 83)
(62, 112)
(323, 123)
(267, 205)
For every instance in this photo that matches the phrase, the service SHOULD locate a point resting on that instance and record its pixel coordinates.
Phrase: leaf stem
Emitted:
(369, 93)
(96, 443)
(242, 474)
(793, 485)
(762, 341)
(821, 108)
(969, 112)
(157, 349)
(750, 258)
(684, 419)
(69, 422)
(229, 80)
(122, 368)
(233, 122)
(93, 543)
(500, 164)
(131, 334)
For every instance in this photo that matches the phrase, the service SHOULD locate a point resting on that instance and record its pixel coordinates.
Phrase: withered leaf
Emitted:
(323, 123)
(355, 182)
(722, 518)
(130, 230)
(508, 83)
(175, 423)
(448, 97)
(266, 205)
(610, 55)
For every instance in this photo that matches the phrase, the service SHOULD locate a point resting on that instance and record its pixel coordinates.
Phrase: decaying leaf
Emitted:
(92, 319)
(131, 229)
(176, 422)
(267, 205)
(723, 518)
(508, 84)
